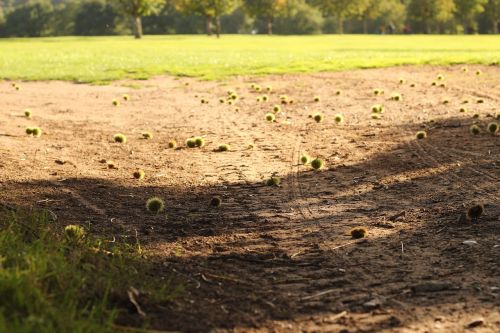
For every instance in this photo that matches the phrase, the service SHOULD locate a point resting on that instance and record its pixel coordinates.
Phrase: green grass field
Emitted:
(101, 59)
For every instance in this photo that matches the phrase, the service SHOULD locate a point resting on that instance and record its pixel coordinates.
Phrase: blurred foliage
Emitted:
(33, 18)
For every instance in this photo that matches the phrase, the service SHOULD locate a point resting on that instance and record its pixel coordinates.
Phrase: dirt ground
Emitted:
(280, 259)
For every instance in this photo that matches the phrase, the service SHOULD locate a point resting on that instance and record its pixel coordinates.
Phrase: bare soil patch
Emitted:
(280, 258)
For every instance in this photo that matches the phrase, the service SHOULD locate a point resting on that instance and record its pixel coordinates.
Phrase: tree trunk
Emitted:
(270, 26)
(365, 26)
(208, 22)
(137, 27)
(495, 27)
(340, 22)
(217, 26)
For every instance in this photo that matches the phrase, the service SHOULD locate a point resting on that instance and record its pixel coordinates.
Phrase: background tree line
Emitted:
(32, 18)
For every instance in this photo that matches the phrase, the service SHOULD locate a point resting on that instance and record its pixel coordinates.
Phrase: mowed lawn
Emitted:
(101, 59)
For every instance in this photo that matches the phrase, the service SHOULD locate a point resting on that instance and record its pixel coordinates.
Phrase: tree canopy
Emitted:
(33, 18)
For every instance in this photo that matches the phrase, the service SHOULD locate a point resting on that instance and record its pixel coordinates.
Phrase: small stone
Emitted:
(374, 303)
(469, 242)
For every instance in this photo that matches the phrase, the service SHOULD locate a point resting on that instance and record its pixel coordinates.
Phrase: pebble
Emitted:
(374, 303)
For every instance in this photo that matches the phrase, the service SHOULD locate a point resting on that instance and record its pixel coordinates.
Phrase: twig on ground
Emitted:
(325, 292)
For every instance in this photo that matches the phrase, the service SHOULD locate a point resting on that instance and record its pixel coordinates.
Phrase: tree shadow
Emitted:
(273, 255)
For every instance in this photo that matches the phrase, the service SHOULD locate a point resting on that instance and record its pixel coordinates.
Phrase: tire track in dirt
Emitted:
(291, 238)
(431, 160)
(469, 161)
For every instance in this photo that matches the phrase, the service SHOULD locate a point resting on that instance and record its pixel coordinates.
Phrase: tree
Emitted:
(63, 18)
(340, 9)
(209, 9)
(371, 10)
(267, 9)
(299, 18)
(32, 19)
(95, 17)
(466, 11)
(492, 11)
(138, 8)
(392, 12)
(429, 12)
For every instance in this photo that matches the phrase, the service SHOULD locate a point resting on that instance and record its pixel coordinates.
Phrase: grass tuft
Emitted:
(317, 163)
(139, 174)
(191, 143)
(216, 202)
(318, 117)
(120, 138)
(74, 234)
(475, 212)
(172, 144)
(396, 97)
(270, 117)
(199, 141)
(421, 135)
(224, 147)
(36, 132)
(492, 127)
(358, 232)
(147, 135)
(475, 130)
(305, 159)
(155, 205)
(339, 119)
(378, 108)
(273, 181)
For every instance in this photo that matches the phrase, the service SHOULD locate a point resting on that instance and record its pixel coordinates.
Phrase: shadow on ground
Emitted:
(271, 256)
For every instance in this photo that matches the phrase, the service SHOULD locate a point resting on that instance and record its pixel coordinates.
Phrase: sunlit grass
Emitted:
(100, 59)
(58, 280)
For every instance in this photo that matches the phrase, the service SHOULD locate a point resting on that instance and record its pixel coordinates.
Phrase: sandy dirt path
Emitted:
(280, 258)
